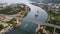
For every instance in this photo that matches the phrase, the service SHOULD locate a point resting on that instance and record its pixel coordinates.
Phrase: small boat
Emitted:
(37, 13)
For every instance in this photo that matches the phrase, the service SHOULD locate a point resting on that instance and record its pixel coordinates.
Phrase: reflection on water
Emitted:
(26, 25)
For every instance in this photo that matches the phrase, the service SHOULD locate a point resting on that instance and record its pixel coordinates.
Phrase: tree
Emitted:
(1, 26)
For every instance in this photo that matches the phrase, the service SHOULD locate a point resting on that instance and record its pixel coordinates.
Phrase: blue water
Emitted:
(27, 26)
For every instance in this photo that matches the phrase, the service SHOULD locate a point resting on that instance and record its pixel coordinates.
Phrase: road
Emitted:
(34, 21)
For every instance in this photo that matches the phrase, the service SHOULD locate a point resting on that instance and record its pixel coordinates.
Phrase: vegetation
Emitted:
(12, 21)
(9, 11)
(41, 31)
(1, 27)
(25, 15)
(54, 18)
(58, 30)
(51, 29)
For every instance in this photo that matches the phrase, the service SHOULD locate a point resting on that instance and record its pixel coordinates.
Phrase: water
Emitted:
(26, 25)
(47, 1)
(51, 1)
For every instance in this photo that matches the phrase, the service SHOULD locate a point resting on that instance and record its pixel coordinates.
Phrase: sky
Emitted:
(0, 0)
(12, 1)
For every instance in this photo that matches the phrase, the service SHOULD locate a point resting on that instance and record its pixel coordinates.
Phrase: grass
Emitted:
(57, 18)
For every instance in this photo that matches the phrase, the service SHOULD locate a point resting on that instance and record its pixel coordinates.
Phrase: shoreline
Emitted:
(24, 13)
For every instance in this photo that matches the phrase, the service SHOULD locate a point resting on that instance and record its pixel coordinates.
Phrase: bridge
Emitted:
(35, 22)
(40, 23)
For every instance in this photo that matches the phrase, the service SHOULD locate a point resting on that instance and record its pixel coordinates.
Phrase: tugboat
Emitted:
(37, 13)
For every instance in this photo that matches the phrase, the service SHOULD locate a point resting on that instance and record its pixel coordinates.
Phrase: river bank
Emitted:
(53, 10)
(31, 15)
(12, 21)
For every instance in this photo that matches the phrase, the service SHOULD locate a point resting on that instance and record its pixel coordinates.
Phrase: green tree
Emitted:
(1, 26)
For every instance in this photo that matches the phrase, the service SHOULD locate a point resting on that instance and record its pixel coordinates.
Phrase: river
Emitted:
(31, 15)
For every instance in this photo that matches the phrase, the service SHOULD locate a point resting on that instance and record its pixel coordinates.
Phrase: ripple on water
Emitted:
(42, 16)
